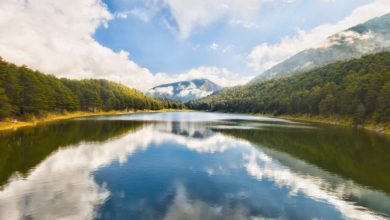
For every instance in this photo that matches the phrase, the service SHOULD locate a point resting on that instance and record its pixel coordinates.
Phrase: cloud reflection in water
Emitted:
(64, 185)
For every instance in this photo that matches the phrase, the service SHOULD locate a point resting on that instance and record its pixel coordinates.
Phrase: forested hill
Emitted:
(358, 89)
(25, 93)
(370, 37)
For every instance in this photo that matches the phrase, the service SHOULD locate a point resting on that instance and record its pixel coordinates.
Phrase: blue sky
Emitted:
(144, 43)
(154, 42)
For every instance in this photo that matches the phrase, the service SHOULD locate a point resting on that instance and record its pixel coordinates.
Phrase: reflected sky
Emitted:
(188, 117)
(174, 167)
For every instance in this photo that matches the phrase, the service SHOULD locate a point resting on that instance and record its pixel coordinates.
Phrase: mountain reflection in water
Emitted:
(193, 166)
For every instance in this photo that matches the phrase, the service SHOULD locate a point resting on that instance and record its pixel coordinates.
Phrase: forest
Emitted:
(25, 93)
(357, 89)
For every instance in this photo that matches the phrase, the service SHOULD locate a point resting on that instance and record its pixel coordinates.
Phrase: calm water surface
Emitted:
(193, 166)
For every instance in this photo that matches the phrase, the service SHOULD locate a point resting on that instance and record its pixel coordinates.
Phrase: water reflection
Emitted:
(24, 149)
(354, 154)
(172, 167)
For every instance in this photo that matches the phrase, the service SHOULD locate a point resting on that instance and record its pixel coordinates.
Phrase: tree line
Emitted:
(24, 149)
(316, 146)
(25, 93)
(358, 89)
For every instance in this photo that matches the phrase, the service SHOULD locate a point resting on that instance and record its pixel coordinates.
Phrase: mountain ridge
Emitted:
(372, 36)
(186, 90)
(357, 90)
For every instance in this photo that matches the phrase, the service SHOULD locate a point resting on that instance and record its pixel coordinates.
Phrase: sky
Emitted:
(144, 43)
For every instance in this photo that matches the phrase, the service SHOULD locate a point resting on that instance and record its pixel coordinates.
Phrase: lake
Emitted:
(192, 165)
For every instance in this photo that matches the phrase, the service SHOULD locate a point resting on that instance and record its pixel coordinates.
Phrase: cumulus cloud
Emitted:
(190, 15)
(265, 55)
(57, 38)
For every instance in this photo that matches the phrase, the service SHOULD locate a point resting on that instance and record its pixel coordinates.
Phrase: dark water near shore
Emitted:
(193, 166)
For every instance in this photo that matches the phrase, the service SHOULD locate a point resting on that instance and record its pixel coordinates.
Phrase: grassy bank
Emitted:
(380, 128)
(15, 124)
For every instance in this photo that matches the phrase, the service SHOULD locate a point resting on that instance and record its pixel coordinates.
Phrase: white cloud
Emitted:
(194, 92)
(221, 48)
(139, 13)
(191, 15)
(214, 46)
(122, 15)
(162, 91)
(265, 55)
(220, 76)
(57, 38)
(348, 37)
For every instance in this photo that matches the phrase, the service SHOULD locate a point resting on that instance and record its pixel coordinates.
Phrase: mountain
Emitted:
(25, 94)
(358, 89)
(370, 37)
(185, 91)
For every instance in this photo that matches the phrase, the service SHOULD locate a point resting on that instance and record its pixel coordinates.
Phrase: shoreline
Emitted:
(14, 125)
(383, 129)
(5, 126)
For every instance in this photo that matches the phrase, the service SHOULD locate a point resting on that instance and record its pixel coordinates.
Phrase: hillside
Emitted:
(358, 89)
(185, 91)
(370, 37)
(25, 93)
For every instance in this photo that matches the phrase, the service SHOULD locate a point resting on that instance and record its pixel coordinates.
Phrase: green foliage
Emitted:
(24, 149)
(384, 103)
(338, 150)
(5, 106)
(358, 89)
(26, 93)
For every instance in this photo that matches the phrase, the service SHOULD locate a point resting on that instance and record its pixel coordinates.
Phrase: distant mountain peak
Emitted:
(370, 37)
(185, 91)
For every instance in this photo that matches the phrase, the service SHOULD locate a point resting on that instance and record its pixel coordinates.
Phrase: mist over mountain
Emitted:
(357, 90)
(370, 37)
(185, 91)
